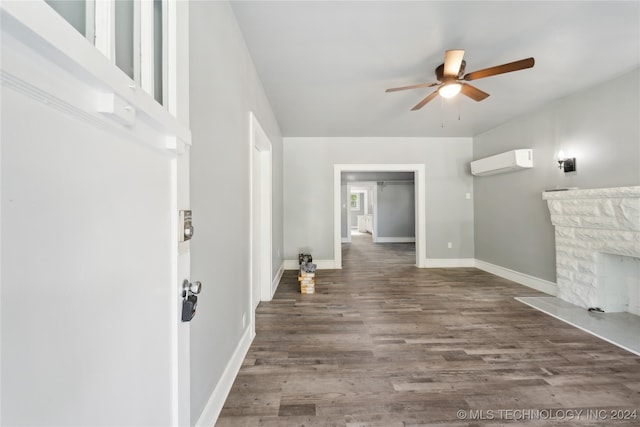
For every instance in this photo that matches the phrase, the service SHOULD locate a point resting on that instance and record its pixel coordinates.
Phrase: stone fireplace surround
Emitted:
(590, 225)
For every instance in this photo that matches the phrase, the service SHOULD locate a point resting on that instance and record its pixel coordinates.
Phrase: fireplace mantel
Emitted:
(589, 224)
(593, 193)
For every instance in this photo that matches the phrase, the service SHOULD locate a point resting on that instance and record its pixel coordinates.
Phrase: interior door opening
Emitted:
(261, 288)
(394, 206)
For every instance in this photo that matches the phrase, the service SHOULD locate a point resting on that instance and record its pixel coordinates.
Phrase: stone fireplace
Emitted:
(597, 234)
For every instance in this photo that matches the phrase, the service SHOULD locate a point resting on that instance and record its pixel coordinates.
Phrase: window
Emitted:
(124, 34)
(75, 13)
(130, 33)
(355, 201)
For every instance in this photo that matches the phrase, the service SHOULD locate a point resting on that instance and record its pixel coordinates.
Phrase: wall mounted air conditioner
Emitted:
(504, 162)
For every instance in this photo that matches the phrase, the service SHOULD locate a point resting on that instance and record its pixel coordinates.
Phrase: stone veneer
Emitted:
(588, 223)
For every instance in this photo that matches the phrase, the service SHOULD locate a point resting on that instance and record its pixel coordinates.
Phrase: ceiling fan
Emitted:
(451, 78)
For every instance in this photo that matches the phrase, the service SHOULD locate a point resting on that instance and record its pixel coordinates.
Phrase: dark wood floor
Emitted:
(383, 343)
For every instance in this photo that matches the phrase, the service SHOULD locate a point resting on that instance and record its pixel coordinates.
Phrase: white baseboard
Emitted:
(276, 280)
(346, 240)
(521, 278)
(290, 264)
(395, 239)
(323, 264)
(214, 405)
(448, 262)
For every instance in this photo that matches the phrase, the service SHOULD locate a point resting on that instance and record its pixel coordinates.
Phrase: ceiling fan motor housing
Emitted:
(440, 71)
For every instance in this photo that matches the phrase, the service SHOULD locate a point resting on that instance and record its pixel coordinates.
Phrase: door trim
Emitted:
(260, 141)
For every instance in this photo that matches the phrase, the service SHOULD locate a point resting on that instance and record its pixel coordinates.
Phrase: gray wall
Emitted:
(224, 88)
(598, 125)
(308, 189)
(396, 209)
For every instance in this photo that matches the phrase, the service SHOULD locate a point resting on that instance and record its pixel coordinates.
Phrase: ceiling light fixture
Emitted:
(450, 90)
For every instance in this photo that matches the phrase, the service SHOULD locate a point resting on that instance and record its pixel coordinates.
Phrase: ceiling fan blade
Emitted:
(428, 98)
(452, 62)
(473, 92)
(395, 89)
(500, 69)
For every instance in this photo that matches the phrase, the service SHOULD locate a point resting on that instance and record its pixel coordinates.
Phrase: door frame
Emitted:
(259, 140)
(420, 205)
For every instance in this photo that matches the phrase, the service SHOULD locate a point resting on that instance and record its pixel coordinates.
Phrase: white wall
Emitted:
(224, 89)
(599, 126)
(308, 189)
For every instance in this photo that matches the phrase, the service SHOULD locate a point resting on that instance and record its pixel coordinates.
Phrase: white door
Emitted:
(91, 264)
(87, 268)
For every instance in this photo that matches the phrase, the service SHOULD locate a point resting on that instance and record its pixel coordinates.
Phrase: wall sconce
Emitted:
(568, 164)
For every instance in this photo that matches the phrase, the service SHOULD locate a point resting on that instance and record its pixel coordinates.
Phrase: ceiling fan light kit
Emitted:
(450, 90)
(452, 80)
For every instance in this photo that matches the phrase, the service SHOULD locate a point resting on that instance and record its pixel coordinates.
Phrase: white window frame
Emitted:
(101, 28)
(146, 61)
(105, 27)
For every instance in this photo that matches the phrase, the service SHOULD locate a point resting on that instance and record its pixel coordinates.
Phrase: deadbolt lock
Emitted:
(186, 226)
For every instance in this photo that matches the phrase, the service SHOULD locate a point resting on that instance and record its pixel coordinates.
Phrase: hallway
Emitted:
(383, 343)
(362, 254)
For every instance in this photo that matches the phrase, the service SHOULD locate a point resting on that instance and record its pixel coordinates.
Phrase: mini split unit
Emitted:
(504, 162)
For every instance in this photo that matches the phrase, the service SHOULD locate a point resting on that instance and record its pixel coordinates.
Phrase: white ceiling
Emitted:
(325, 65)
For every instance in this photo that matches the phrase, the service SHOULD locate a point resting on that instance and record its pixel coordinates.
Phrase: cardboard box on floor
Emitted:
(307, 282)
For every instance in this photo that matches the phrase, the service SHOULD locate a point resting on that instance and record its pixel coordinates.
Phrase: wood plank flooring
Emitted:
(383, 343)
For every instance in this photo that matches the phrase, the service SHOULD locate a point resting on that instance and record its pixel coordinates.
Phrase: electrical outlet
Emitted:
(450, 245)
(467, 196)
(244, 321)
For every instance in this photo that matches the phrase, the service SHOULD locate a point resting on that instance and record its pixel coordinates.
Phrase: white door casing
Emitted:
(261, 211)
(256, 228)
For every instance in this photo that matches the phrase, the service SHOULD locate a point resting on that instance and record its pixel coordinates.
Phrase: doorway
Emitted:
(360, 207)
(261, 163)
(340, 217)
